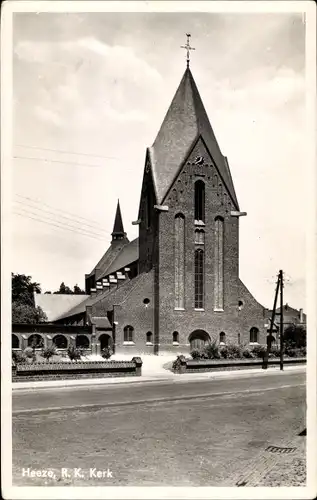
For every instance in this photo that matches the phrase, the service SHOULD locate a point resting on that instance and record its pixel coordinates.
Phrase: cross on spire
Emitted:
(188, 48)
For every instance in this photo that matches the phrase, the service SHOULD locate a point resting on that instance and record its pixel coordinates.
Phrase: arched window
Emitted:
(82, 341)
(219, 263)
(199, 279)
(179, 236)
(200, 201)
(239, 338)
(60, 341)
(199, 237)
(149, 337)
(128, 333)
(15, 341)
(254, 335)
(222, 337)
(175, 338)
(36, 341)
(240, 305)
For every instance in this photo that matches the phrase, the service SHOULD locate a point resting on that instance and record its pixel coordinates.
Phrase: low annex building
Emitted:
(177, 285)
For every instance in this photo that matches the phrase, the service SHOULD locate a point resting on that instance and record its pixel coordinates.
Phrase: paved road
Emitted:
(206, 433)
(123, 394)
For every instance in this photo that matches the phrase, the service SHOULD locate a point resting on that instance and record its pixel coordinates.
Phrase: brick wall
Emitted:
(181, 199)
(61, 371)
(157, 284)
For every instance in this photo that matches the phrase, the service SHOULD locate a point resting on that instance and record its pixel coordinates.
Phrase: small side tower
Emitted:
(118, 233)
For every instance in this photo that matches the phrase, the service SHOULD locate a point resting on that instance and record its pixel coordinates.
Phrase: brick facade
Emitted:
(184, 152)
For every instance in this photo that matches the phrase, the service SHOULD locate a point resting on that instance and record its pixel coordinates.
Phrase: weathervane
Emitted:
(188, 48)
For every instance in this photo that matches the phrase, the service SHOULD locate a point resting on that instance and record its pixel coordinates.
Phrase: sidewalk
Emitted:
(276, 469)
(154, 371)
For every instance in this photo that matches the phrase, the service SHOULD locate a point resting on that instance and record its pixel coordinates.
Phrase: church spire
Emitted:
(185, 121)
(118, 231)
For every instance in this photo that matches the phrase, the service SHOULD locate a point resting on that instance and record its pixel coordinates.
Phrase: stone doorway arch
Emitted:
(198, 339)
(82, 341)
(105, 341)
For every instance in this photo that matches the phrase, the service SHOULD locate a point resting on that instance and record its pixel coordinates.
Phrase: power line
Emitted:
(65, 225)
(33, 200)
(57, 161)
(23, 203)
(68, 152)
(80, 233)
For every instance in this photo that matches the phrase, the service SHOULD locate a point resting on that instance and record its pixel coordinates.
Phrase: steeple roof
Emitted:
(118, 224)
(185, 120)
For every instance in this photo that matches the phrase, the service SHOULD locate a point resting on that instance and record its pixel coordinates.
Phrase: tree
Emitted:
(78, 290)
(295, 336)
(24, 313)
(23, 289)
(23, 306)
(64, 289)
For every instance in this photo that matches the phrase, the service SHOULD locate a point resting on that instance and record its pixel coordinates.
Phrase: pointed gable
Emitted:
(185, 120)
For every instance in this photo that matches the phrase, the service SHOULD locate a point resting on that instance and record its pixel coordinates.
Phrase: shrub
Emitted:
(295, 352)
(18, 357)
(291, 352)
(195, 354)
(247, 353)
(106, 352)
(259, 351)
(211, 351)
(223, 351)
(275, 351)
(73, 353)
(303, 352)
(29, 354)
(178, 363)
(48, 352)
(234, 351)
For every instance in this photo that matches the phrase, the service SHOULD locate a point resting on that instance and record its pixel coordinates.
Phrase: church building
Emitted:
(177, 285)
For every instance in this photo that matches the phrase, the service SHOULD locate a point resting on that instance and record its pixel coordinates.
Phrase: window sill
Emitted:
(179, 309)
(175, 343)
(218, 310)
(149, 343)
(253, 343)
(127, 342)
(199, 223)
(222, 343)
(199, 309)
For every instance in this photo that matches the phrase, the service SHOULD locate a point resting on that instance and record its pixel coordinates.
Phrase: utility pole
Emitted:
(281, 321)
(269, 337)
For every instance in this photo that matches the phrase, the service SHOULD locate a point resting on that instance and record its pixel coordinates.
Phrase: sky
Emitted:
(90, 91)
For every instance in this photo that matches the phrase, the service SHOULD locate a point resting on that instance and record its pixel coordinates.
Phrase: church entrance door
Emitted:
(105, 341)
(198, 339)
